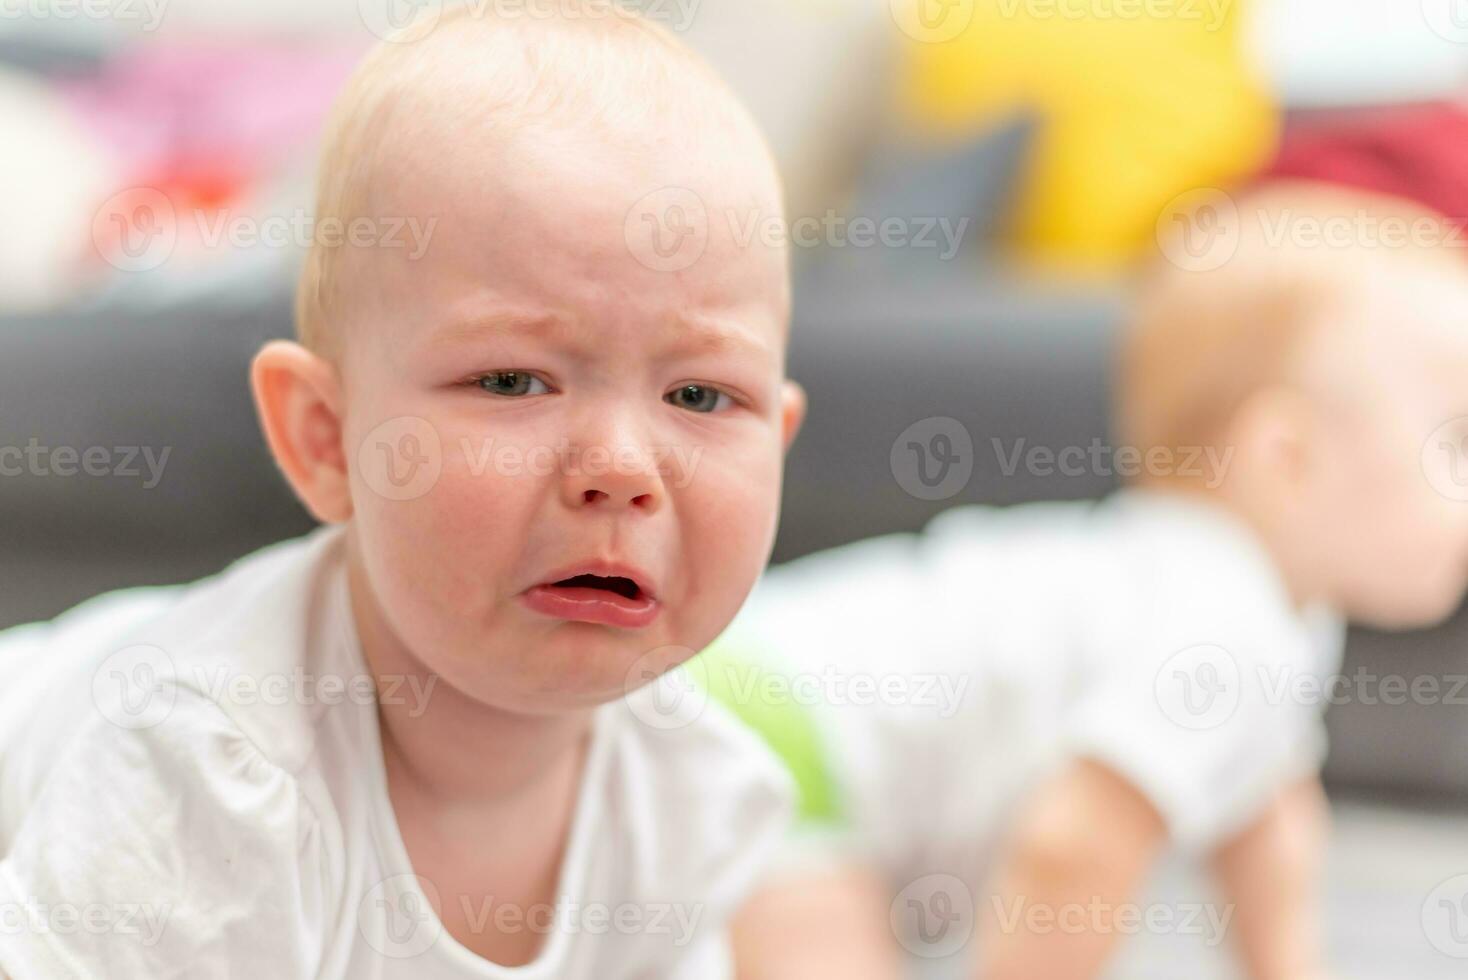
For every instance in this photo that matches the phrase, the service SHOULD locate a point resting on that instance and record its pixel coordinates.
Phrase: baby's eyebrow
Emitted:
(685, 335)
(502, 324)
(704, 335)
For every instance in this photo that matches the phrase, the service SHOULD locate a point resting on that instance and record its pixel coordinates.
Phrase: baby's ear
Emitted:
(1274, 431)
(298, 399)
(792, 412)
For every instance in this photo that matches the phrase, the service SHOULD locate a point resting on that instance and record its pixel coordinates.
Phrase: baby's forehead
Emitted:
(1403, 318)
(604, 237)
(604, 73)
(1415, 294)
(532, 162)
(611, 215)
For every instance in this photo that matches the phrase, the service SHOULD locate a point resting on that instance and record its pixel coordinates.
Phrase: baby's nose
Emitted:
(613, 478)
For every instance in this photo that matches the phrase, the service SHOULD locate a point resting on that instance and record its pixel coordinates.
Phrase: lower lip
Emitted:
(591, 606)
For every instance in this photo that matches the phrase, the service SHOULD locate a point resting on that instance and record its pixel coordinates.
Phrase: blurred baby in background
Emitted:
(1022, 709)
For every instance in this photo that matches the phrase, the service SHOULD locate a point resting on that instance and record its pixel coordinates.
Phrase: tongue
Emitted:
(569, 591)
(566, 600)
(584, 594)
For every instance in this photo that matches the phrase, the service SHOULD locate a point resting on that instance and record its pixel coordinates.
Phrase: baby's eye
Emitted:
(698, 398)
(511, 383)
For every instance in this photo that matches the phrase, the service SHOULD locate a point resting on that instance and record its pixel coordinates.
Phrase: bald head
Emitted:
(1320, 274)
(473, 96)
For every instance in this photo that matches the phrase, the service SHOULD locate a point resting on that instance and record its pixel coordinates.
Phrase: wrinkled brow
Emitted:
(682, 335)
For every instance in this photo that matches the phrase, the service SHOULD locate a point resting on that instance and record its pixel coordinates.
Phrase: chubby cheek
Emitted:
(1436, 548)
(1409, 558)
(442, 551)
(1411, 586)
(727, 515)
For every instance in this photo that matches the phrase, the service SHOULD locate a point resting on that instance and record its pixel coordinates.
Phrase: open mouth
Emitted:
(624, 587)
(587, 597)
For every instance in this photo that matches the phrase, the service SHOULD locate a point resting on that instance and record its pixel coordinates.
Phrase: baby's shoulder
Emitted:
(219, 658)
(149, 788)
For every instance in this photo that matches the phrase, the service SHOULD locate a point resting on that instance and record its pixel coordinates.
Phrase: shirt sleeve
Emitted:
(176, 849)
(1201, 712)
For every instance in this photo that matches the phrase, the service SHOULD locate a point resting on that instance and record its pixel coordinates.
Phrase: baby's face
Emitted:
(1392, 524)
(589, 410)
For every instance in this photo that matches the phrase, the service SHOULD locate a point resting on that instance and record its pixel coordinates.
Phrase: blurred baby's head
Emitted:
(1326, 363)
(580, 371)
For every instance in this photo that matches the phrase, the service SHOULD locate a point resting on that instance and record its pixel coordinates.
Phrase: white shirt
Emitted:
(191, 783)
(947, 673)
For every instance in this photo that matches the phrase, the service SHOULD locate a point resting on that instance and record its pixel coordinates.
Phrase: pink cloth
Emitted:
(213, 115)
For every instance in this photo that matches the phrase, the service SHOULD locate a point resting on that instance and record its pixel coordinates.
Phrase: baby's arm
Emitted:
(1086, 839)
(831, 924)
(1270, 874)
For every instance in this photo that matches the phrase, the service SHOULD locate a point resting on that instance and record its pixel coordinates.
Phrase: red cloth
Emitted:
(1419, 153)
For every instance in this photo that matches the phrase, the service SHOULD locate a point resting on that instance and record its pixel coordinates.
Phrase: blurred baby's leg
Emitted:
(1270, 874)
(830, 923)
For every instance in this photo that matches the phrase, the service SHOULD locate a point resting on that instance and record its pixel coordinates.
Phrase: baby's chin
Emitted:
(1425, 606)
(574, 666)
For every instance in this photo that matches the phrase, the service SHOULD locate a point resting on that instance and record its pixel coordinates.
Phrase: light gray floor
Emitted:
(1385, 863)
